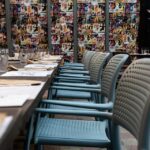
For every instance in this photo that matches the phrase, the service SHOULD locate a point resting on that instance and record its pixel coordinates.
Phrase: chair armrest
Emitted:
(74, 71)
(83, 85)
(103, 115)
(89, 105)
(74, 75)
(76, 89)
(73, 78)
(71, 67)
(74, 64)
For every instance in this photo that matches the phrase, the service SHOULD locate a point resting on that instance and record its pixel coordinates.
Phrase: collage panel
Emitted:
(90, 1)
(29, 24)
(3, 34)
(131, 7)
(89, 8)
(62, 28)
(131, 1)
(55, 39)
(124, 25)
(56, 49)
(116, 7)
(66, 5)
(91, 18)
(91, 26)
(67, 48)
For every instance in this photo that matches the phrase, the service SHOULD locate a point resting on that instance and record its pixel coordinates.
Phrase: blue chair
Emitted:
(96, 67)
(131, 110)
(73, 73)
(92, 91)
(78, 64)
(73, 66)
(92, 67)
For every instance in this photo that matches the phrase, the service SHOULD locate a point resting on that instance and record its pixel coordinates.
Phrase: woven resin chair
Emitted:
(92, 91)
(95, 93)
(92, 67)
(74, 73)
(87, 57)
(131, 111)
(78, 64)
(96, 67)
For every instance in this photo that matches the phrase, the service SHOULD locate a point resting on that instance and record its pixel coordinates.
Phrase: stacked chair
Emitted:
(110, 76)
(77, 64)
(94, 90)
(96, 93)
(131, 110)
(89, 79)
(74, 72)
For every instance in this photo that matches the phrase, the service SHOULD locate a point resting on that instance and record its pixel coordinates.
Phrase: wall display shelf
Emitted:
(91, 25)
(29, 25)
(3, 32)
(124, 20)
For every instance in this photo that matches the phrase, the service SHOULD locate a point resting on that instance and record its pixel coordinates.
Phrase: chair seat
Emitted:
(74, 64)
(72, 75)
(73, 94)
(71, 132)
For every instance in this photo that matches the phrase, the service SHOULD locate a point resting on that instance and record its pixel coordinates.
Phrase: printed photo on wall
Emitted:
(3, 38)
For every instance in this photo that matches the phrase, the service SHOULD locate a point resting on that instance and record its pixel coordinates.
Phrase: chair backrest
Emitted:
(110, 75)
(84, 55)
(87, 59)
(132, 105)
(96, 66)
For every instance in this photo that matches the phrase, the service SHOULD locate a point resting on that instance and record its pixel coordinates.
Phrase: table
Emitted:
(21, 115)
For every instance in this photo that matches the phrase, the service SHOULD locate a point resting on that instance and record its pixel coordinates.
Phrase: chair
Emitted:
(95, 70)
(78, 64)
(93, 65)
(131, 111)
(73, 73)
(84, 66)
(89, 91)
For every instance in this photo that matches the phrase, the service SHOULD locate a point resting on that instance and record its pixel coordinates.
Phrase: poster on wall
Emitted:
(62, 28)
(3, 35)
(124, 20)
(91, 25)
(29, 25)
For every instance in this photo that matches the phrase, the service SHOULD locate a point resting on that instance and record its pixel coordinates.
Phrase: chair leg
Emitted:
(39, 147)
(116, 142)
(29, 134)
(49, 93)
